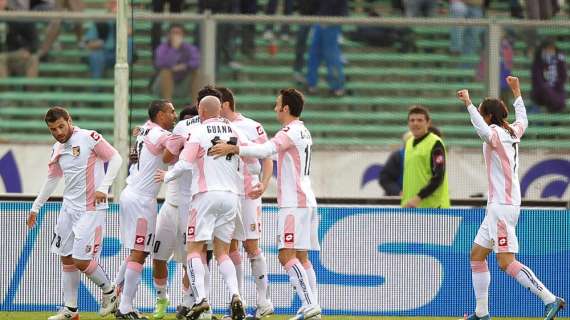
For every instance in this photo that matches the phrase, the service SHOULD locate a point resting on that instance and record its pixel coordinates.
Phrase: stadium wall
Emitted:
(374, 261)
(336, 174)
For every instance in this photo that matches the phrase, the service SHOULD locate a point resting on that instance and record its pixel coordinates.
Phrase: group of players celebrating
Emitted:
(210, 162)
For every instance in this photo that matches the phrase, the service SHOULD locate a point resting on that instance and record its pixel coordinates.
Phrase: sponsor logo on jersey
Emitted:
(502, 241)
(191, 231)
(76, 151)
(259, 130)
(289, 237)
(139, 239)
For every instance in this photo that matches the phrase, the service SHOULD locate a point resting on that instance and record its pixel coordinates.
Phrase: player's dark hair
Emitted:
(208, 91)
(227, 96)
(188, 111)
(294, 99)
(155, 107)
(498, 111)
(56, 113)
(417, 109)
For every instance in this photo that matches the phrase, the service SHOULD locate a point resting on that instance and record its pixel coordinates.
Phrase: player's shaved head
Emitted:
(209, 107)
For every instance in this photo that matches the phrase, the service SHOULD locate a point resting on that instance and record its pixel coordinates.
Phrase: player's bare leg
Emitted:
(259, 271)
(160, 279)
(300, 281)
(70, 279)
(228, 271)
(133, 275)
(526, 278)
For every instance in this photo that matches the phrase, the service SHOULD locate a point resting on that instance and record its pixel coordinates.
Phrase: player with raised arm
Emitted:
(497, 232)
(250, 231)
(138, 207)
(217, 185)
(298, 220)
(78, 156)
(170, 239)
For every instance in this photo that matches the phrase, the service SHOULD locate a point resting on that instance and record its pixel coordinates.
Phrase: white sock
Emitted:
(160, 285)
(528, 279)
(259, 272)
(236, 259)
(70, 279)
(311, 275)
(300, 281)
(481, 278)
(187, 297)
(206, 274)
(96, 274)
(120, 278)
(196, 274)
(228, 271)
(132, 280)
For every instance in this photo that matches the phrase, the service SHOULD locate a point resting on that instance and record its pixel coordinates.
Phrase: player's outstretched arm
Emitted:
(515, 86)
(481, 127)
(45, 192)
(521, 120)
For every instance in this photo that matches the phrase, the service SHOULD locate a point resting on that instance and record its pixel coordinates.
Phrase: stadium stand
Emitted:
(382, 84)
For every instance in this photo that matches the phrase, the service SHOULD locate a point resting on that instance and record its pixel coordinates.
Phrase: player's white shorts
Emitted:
(212, 215)
(298, 229)
(170, 239)
(79, 234)
(137, 218)
(497, 231)
(249, 226)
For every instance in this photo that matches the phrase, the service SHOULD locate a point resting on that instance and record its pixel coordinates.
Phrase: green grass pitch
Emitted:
(93, 316)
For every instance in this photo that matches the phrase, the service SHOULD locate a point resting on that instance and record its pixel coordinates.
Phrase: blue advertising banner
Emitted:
(374, 261)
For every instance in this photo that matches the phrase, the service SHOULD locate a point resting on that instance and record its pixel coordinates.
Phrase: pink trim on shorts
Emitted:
(140, 234)
(69, 268)
(92, 267)
(98, 239)
(289, 232)
(191, 228)
(514, 268)
(221, 259)
(90, 181)
(307, 265)
(236, 257)
(507, 173)
(502, 236)
(135, 266)
(290, 264)
(160, 282)
(479, 266)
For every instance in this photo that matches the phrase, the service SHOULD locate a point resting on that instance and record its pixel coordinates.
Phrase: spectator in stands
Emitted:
(392, 173)
(54, 27)
(306, 8)
(100, 41)
(549, 77)
(425, 178)
(465, 40)
(325, 46)
(225, 42)
(17, 50)
(248, 30)
(176, 61)
(535, 10)
(271, 9)
(506, 55)
(174, 6)
(420, 8)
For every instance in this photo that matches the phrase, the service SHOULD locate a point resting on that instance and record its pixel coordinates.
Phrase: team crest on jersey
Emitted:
(252, 227)
(88, 248)
(75, 151)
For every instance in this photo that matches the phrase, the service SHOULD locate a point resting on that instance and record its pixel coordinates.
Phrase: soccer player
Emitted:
(217, 185)
(250, 231)
(497, 232)
(78, 157)
(170, 240)
(138, 208)
(298, 220)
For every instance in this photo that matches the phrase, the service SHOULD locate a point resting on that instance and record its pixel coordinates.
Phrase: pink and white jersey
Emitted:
(209, 173)
(500, 150)
(254, 132)
(292, 144)
(80, 161)
(150, 144)
(179, 189)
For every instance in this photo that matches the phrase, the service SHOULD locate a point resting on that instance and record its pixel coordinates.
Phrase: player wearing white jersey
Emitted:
(78, 156)
(298, 220)
(217, 185)
(497, 232)
(170, 240)
(138, 208)
(250, 231)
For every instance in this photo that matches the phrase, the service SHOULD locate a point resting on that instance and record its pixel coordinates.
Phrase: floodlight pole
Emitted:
(121, 100)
